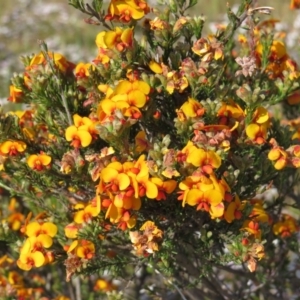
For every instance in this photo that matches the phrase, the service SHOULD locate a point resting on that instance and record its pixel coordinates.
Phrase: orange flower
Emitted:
(85, 213)
(233, 210)
(118, 39)
(39, 162)
(126, 10)
(59, 61)
(103, 285)
(141, 143)
(207, 200)
(82, 248)
(279, 156)
(192, 109)
(295, 4)
(207, 160)
(15, 94)
(82, 70)
(31, 259)
(12, 148)
(164, 187)
(286, 227)
(294, 98)
(253, 228)
(257, 130)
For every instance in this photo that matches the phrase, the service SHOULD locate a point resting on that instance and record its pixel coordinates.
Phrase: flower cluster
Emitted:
(167, 130)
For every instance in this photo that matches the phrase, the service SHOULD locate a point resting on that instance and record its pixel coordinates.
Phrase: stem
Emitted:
(50, 62)
(4, 186)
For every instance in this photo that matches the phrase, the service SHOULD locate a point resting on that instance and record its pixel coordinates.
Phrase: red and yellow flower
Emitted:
(39, 162)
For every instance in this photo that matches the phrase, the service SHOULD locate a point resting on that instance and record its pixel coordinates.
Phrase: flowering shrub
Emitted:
(171, 155)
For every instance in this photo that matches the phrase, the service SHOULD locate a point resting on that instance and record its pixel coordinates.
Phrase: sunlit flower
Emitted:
(120, 39)
(257, 130)
(126, 10)
(207, 160)
(192, 109)
(71, 230)
(234, 210)
(208, 49)
(147, 242)
(206, 200)
(58, 60)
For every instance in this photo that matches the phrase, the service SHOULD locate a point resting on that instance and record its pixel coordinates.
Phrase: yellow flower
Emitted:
(29, 260)
(80, 137)
(207, 160)
(126, 10)
(12, 148)
(71, 230)
(258, 128)
(39, 162)
(36, 228)
(104, 285)
(233, 210)
(59, 61)
(82, 70)
(206, 199)
(279, 156)
(192, 108)
(119, 39)
(164, 187)
(85, 213)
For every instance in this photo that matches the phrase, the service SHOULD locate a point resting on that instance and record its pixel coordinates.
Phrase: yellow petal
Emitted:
(85, 137)
(49, 228)
(151, 190)
(196, 157)
(252, 130)
(70, 132)
(155, 67)
(38, 258)
(45, 240)
(32, 229)
(194, 196)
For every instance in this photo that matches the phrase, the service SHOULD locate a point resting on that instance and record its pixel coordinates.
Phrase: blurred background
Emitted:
(23, 22)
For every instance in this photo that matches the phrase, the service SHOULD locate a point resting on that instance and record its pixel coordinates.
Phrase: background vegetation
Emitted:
(23, 22)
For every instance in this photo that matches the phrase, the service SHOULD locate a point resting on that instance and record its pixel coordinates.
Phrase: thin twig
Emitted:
(50, 62)
(170, 282)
